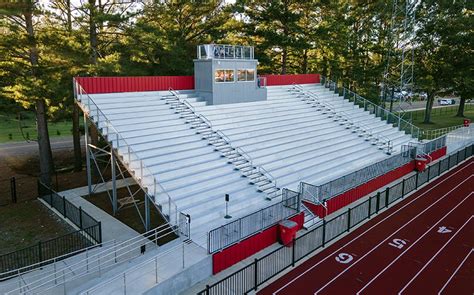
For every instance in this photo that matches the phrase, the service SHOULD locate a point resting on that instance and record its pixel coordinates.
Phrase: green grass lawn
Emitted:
(441, 119)
(10, 128)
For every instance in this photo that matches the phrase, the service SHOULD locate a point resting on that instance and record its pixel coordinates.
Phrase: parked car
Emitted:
(446, 101)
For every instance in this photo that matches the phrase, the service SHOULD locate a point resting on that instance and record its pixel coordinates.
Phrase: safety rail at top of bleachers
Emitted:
(363, 129)
(379, 111)
(140, 172)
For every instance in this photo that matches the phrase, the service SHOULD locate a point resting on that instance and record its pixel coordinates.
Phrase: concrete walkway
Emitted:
(112, 228)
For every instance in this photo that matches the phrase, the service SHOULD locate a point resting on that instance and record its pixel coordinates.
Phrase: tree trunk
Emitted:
(462, 104)
(76, 138)
(92, 32)
(429, 107)
(304, 67)
(44, 145)
(284, 57)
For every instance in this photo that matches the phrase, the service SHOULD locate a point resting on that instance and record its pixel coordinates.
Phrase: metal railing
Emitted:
(241, 228)
(92, 265)
(148, 273)
(430, 146)
(345, 119)
(378, 111)
(262, 82)
(219, 135)
(253, 275)
(138, 170)
(323, 192)
(435, 133)
(222, 51)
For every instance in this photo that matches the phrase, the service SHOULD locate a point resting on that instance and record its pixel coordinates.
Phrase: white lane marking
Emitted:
(454, 273)
(436, 254)
(416, 241)
(444, 230)
(344, 258)
(369, 229)
(398, 243)
(386, 239)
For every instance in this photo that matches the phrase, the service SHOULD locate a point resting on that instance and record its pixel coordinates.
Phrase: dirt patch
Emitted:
(25, 224)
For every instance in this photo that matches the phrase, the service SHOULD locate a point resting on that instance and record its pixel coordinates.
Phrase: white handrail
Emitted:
(50, 261)
(139, 176)
(99, 260)
(138, 267)
(365, 130)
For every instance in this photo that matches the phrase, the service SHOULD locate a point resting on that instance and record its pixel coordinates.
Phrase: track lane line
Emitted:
(375, 225)
(437, 253)
(455, 271)
(391, 234)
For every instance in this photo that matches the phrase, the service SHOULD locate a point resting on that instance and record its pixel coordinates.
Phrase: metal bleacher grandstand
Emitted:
(185, 143)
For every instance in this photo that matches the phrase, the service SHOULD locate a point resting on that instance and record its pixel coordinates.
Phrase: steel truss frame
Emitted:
(107, 155)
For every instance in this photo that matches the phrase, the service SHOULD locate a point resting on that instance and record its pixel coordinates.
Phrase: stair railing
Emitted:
(379, 111)
(364, 130)
(138, 170)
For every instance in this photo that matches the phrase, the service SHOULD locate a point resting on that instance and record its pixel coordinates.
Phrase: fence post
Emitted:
(377, 203)
(80, 217)
(207, 289)
(40, 252)
(100, 232)
(324, 232)
(428, 178)
(255, 275)
(348, 219)
(13, 188)
(370, 206)
(387, 192)
(403, 187)
(416, 180)
(293, 254)
(64, 206)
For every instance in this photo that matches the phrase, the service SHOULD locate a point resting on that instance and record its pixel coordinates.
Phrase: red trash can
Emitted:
(287, 232)
(467, 122)
(420, 164)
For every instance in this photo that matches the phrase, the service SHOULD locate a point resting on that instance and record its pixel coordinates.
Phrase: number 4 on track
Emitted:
(398, 243)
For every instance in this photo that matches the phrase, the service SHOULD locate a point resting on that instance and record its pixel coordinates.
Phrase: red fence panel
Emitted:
(248, 247)
(273, 80)
(133, 84)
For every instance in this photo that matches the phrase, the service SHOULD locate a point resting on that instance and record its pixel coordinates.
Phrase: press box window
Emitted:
(245, 75)
(224, 76)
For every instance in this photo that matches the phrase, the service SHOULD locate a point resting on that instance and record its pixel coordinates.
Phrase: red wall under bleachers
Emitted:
(245, 248)
(94, 85)
(360, 191)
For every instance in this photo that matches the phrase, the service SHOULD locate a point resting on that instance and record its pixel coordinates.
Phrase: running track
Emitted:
(422, 245)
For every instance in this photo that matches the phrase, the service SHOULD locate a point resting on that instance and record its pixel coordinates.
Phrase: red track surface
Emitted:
(423, 245)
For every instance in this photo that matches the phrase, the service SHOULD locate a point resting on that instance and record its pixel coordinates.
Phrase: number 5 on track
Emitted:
(398, 243)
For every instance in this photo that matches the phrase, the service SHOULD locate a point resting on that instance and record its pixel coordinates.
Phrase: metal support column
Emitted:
(114, 180)
(147, 212)
(88, 159)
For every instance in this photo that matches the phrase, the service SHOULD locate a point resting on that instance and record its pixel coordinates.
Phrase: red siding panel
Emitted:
(132, 84)
(246, 248)
(273, 80)
(157, 83)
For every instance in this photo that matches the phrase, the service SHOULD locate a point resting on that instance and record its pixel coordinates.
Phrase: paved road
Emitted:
(23, 148)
